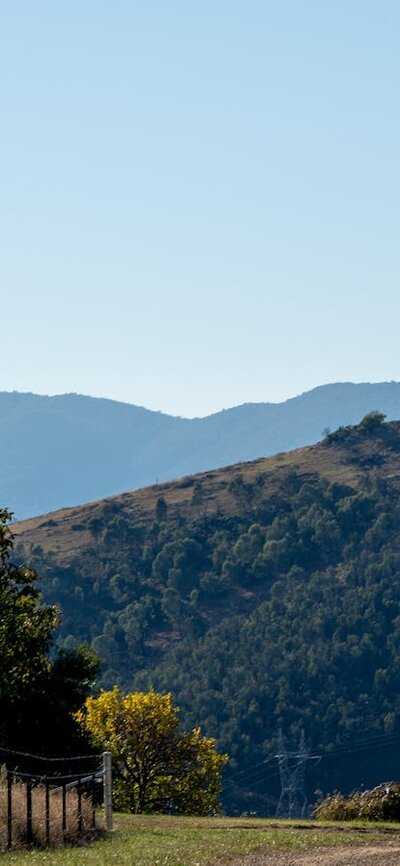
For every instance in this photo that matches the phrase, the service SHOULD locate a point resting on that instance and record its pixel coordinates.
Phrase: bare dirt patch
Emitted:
(386, 854)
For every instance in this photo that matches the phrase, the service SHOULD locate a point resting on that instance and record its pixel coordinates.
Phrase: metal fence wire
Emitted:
(49, 808)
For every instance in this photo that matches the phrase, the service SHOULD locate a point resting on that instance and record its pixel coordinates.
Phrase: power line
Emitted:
(367, 743)
(65, 759)
(253, 777)
(252, 767)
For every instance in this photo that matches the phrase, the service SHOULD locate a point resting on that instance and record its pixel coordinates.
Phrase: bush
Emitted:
(379, 804)
(336, 808)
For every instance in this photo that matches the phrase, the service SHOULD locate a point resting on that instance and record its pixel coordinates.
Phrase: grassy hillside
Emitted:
(347, 458)
(265, 596)
(172, 841)
(69, 449)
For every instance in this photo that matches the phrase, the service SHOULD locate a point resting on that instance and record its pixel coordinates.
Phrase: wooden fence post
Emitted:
(64, 811)
(29, 827)
(47, 810)
(107, 789)
(93, 790)
(9, 808)
(80, 816)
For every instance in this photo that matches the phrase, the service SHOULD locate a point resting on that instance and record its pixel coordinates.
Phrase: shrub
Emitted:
(379, 804)
(336, 808)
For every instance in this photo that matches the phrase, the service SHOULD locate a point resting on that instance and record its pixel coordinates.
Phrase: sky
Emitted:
(199, 199)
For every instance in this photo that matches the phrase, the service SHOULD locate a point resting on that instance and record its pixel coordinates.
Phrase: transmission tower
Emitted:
(292, 801)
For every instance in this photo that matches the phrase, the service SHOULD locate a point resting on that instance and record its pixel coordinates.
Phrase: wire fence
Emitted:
(55, 805)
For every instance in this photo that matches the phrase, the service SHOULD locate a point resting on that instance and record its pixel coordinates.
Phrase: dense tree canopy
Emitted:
(26, 628)
(38, 689)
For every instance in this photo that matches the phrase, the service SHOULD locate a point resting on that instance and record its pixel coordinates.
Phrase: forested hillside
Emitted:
(70, 449)
(265, 596)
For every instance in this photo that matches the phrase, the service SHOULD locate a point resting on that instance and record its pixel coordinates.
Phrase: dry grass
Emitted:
(72, 832)
(161, 840)
(56, 531)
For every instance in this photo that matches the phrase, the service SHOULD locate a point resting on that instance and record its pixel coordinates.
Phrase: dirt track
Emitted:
(386, 854)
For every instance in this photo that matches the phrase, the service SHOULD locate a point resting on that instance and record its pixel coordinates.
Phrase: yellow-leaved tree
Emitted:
(156, 766)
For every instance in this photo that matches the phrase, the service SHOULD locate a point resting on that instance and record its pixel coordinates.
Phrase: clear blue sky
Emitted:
(199, 201)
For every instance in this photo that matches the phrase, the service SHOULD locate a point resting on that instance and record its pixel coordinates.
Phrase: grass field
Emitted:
(169, 841)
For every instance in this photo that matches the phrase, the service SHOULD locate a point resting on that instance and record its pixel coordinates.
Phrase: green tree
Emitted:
(37, 693)
(156, 765)
(161, 509)
(371, 422)
(26, 626)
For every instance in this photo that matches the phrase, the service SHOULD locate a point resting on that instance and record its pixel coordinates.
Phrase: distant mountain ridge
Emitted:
(70, 449)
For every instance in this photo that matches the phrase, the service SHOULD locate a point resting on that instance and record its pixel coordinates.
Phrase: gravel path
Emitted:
(385, 854)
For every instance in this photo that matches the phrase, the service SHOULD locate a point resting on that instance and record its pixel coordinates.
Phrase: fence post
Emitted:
(93, 789)
(107, 789)
(64, 811)
(29, 828)
(80, 817)
(9, 808)
(47, 810)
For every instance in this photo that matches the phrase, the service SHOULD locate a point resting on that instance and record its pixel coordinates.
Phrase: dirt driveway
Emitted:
(385, 854)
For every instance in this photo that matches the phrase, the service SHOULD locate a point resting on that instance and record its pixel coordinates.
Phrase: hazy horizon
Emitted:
(199, 203)
(198, 416)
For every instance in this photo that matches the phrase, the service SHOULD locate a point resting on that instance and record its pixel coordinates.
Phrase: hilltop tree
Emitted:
(156, 765)
(371, 422)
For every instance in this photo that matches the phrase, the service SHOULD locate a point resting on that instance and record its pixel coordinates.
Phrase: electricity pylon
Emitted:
(292, 801)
